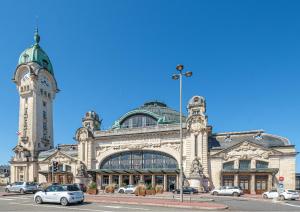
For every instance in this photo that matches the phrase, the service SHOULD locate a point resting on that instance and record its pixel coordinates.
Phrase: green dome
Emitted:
(36, 54)
(159, 111)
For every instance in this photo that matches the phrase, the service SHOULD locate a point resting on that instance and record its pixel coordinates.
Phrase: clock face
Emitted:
(44, 82)
(25, 77)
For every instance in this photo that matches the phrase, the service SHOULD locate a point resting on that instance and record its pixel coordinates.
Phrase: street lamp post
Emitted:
(176, 77)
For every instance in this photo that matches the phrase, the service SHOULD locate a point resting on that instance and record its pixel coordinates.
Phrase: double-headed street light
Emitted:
(176, 77)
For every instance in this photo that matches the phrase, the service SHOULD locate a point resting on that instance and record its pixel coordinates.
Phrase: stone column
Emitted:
(99, 180)
(270, 183)
(236, 164)
(141, 177)
(131, 179)
(153, 180)
(253, 164)
(177, 181)
(252, 184)
(65, 178)
(236, 180)
(165, 182)
(120, 180)
(110, 179)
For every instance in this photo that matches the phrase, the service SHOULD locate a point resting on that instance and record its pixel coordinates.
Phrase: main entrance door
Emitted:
(171, 182)
(244, 183)
(261, 184)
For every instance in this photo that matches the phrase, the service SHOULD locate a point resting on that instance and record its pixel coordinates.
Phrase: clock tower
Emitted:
(37, 87)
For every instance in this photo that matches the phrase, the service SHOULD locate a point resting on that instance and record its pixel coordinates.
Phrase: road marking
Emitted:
(60, 207)
(298, 206)
(118, 207)
(9, 197)
(6, 199)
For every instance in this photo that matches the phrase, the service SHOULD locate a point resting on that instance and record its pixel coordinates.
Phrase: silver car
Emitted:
(63, 194)
(228, 190)
(21, 187)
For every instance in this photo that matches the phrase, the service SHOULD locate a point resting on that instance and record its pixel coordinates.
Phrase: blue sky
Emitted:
(112, 56)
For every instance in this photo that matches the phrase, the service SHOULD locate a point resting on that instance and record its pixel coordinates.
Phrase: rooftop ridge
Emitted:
(238, 132)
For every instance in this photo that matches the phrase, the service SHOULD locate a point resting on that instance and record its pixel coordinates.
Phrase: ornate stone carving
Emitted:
(82, 135)
(81, 170)
(196, 168)
(139, 146)
(196, 124)
(247, 151)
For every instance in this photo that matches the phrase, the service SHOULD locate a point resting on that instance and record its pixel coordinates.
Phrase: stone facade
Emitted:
(143, 145)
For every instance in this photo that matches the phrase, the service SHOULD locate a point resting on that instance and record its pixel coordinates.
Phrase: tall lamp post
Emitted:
(176, 77)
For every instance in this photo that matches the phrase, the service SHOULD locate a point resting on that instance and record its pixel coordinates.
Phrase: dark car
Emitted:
(81, 186)
(186, 190)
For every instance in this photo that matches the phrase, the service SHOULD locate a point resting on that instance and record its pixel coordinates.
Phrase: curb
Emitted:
(163, 205)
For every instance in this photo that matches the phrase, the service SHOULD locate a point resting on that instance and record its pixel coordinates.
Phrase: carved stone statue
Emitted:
(81, 170)
(196, 168)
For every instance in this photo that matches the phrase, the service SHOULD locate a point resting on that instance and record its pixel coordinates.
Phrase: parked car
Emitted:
(228, 190)
(22, 187)
(81, 186)
(286, 195)
(186, 190)
(129, 189)
(63, 194)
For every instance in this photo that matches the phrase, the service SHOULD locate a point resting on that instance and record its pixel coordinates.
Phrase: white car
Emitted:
(129, 189)
(286, 195)
(21, 187)
(63, 194)
(228, 190)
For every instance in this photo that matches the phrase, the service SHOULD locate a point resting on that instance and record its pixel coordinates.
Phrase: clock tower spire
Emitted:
(37, 87)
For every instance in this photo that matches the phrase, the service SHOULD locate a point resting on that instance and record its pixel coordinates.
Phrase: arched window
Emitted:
(228, 165)
(139, 160)
(138, 120)
(261, 164)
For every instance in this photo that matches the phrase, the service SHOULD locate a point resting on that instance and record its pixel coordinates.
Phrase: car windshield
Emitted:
(71, 188)
(30, 184)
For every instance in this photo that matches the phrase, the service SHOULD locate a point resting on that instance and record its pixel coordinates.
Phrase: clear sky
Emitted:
(112, 56)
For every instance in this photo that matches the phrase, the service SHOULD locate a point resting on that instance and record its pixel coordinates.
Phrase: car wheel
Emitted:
(81, 202)
(265, 196)
(7, 190)
(121, 191)
(215, 193)
(38, 200)
(64, 201)
(22, 191)
(281, 197)
(235, 194)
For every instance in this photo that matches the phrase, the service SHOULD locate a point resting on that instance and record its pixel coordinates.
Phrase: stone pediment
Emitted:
(246, 150)
(60, 157)
(82, 134)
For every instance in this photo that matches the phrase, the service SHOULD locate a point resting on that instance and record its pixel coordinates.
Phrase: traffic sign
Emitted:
(281, 178)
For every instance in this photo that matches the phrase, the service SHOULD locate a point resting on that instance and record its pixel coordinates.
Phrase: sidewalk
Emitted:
(150, 201)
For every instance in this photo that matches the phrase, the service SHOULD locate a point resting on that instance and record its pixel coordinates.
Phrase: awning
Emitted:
(58, 172)
(244, 171)
(134, 171)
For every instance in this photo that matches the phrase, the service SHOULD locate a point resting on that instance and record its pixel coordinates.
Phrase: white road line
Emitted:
(6, 199)
(9, 197)
(119, 207)
(60, 207)
(298, 206)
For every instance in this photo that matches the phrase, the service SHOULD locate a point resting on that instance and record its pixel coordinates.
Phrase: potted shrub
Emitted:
(110, 188)
(150, 190)
(159, 189)
(140, 190)
(92, 189)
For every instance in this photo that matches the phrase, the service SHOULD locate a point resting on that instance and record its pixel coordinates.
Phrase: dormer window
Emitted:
(45, 63)
(26, 58)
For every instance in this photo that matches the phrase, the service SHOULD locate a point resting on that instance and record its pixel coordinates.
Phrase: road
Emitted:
(25, 203)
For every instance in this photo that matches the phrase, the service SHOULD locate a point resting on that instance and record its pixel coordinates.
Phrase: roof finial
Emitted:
(36, 33)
